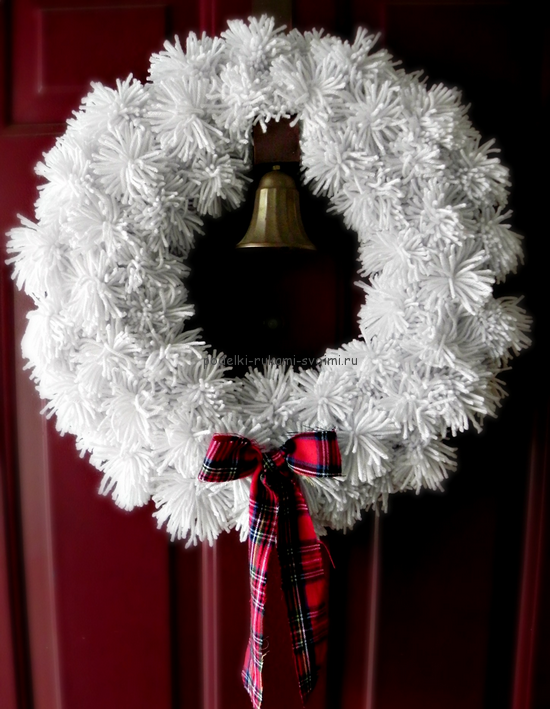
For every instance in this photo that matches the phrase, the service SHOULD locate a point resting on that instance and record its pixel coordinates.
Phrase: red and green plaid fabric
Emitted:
(279, 515)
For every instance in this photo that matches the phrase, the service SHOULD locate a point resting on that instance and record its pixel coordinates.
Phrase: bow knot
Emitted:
(279, 515)
(274, 461)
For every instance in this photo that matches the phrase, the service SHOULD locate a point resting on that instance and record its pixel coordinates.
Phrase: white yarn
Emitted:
(126, 187)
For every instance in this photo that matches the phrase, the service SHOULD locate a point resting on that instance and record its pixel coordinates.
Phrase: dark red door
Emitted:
(439, 603)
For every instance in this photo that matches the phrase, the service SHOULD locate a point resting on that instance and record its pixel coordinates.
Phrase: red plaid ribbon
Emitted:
(279, 515)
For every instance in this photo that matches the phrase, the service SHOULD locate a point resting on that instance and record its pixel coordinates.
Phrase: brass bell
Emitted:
(276, 220)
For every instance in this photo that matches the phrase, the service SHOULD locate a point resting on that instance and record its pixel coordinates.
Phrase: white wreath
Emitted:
(126, 186)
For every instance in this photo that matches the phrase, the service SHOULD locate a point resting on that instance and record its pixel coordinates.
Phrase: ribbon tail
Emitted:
(262, 537)
(304, 585)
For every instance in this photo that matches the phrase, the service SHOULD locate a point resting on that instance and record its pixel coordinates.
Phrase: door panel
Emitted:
(97, 617)
(59, 47)
(434, 604)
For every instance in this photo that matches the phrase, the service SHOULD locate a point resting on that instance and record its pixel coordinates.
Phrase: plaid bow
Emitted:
(279, 515)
